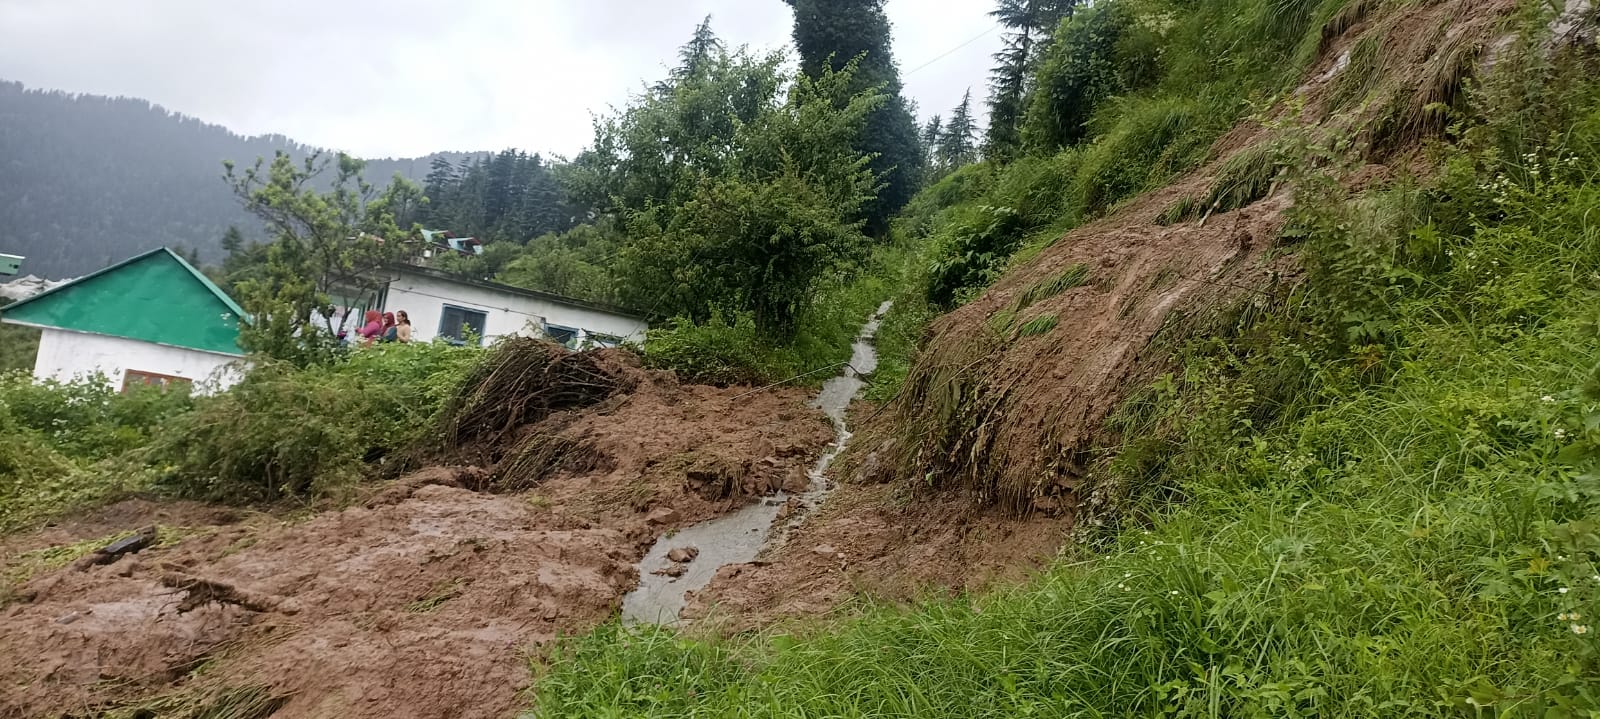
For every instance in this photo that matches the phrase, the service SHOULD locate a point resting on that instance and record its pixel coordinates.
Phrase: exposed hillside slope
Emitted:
(1012, 392)
(87, 180)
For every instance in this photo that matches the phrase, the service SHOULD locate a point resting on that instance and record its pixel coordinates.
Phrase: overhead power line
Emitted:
(951, 51)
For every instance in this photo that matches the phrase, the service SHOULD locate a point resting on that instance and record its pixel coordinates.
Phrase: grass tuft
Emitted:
(1038, 325)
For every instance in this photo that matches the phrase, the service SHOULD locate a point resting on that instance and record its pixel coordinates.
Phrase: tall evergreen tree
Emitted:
(1031, 25)
(956, 144)
(831, 33)
(931, 134)
(701, 49)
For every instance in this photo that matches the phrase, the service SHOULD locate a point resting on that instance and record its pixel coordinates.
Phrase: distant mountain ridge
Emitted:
(87, 180)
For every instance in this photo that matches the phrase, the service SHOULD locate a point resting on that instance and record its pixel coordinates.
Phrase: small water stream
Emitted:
(740, 536)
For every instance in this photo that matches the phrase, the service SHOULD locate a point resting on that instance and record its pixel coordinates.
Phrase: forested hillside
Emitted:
(87, 180)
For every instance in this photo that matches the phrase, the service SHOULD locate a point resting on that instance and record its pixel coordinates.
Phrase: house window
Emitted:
(456, 322)
(562, 335)
(133, 377)
(604, 340)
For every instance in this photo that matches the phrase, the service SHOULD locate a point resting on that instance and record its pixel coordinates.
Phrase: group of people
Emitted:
(387, 327)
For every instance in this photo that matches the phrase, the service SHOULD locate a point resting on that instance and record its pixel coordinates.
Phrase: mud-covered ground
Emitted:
(422, 601)
(877, 543)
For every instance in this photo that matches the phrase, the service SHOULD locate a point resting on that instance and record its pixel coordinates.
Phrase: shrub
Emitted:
(85, 419)
(291, 432)
(714, 351)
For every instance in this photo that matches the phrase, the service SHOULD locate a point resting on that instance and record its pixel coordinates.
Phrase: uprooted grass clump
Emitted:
(521, 382)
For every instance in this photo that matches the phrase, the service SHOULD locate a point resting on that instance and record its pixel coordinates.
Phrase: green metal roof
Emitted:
(155, 297)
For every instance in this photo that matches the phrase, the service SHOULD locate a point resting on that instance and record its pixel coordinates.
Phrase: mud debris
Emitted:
(424, 600)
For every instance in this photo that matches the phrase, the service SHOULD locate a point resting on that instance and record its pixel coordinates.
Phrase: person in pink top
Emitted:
(373, 329)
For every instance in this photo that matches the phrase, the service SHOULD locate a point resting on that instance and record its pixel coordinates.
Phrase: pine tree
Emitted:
(956, 145)
(831, 33)
(931, 134)
(701, 48)
(1032, 24)
(232, 240)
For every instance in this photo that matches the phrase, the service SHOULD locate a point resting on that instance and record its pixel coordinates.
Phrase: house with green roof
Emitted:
(151, 319)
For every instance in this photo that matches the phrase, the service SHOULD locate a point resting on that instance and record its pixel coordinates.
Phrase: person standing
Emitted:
(402, 326)
(372, 329)
(389, 331)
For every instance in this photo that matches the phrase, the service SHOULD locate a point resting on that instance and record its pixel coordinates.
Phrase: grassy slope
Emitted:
(1384, 504)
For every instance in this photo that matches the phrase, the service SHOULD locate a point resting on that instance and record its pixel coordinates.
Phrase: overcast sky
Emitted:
(406, 77)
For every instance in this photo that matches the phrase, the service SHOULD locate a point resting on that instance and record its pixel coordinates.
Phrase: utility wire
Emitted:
(951, 51)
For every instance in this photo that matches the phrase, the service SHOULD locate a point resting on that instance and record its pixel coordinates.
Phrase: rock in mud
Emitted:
(683, 555)
(876, 468)
(671, 570)
(796, 481)
(663, 515)
(824, 550)
(715, 477)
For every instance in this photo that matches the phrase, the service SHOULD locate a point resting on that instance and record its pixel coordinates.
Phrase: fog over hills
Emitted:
(86, 180)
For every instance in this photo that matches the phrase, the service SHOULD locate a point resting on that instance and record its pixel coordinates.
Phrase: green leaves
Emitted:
(739, 187)
(323, 242)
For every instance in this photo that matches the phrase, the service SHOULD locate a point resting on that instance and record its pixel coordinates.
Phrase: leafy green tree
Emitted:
(325, 245)
(574, 264)
(956, 144)
(739, 187)
(1080, 71)
(831, 33)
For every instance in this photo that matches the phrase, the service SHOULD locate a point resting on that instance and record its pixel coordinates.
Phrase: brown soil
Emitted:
(1031, 420)
(879, 543)
(422, 601)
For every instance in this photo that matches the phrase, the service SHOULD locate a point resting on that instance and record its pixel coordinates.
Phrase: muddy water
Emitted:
(740, 536)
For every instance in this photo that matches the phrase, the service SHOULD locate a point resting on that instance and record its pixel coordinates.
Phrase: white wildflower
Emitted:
(1580, 629)
(1564, 590)
(1560, 433)
(1547, 398)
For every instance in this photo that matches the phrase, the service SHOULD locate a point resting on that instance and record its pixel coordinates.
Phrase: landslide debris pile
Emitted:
(525, 380)
(1009, 398)
(429, 593)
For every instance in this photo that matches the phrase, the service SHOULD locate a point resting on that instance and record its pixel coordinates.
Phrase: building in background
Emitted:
(456, 308)
(152, 319)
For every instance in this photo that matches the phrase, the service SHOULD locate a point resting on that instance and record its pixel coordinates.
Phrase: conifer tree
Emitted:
(956, 144)
(931, 134)
(1031, 25)
(831, 33)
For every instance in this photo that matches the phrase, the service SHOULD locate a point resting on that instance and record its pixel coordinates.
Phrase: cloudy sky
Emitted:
(407, 77)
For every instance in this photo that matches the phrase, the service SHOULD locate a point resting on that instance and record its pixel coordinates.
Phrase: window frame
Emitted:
(147, 378)
(453, 337)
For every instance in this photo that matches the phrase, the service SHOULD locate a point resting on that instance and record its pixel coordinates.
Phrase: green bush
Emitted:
(85, 419)
(290, 432)
(64, 444)
(716, 352)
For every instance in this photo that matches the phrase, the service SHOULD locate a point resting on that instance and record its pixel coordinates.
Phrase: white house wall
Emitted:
(65, 355)
(424, 298)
